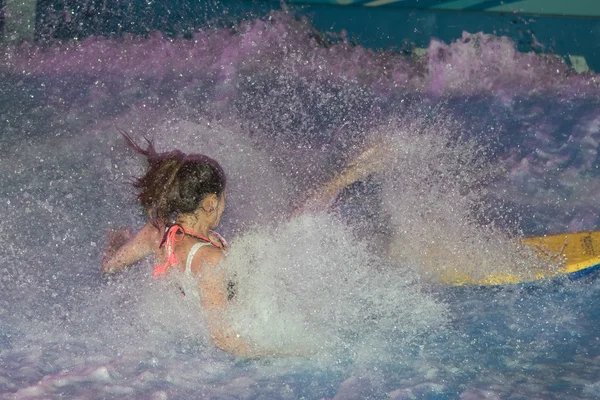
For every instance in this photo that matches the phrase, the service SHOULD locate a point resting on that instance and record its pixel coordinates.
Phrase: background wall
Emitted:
(590, 8)
(570, 29)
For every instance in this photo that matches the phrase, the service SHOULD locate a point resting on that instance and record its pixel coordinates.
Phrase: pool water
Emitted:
(492, 144)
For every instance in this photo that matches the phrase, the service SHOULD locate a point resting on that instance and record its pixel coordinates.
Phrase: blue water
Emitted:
(494, 144)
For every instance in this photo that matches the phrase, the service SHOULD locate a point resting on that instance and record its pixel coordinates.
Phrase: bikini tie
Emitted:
(169, 240)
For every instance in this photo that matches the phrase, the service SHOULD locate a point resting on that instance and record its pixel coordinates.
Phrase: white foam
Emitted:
(309, 285)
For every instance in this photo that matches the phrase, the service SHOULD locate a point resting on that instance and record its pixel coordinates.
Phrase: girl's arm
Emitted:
(124, 250)
(213, 287)
(374, 159)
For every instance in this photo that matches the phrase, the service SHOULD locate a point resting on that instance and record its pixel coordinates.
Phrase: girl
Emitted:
(184, 196)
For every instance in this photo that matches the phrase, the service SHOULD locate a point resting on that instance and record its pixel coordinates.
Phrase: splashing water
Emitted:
(489, 143)
(312, 284)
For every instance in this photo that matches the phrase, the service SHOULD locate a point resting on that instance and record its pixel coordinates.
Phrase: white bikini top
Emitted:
(191, 254)
(188, 272)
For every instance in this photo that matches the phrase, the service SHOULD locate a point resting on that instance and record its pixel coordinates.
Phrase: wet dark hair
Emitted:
(175, 183)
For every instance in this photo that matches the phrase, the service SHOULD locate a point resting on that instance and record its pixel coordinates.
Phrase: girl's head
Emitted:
(177, 184)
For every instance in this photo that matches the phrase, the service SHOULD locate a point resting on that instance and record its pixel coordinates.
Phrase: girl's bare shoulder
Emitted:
(206, 256)
(151, 234)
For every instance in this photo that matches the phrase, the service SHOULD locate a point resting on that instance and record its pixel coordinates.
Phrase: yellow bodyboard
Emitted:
(559, 255)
